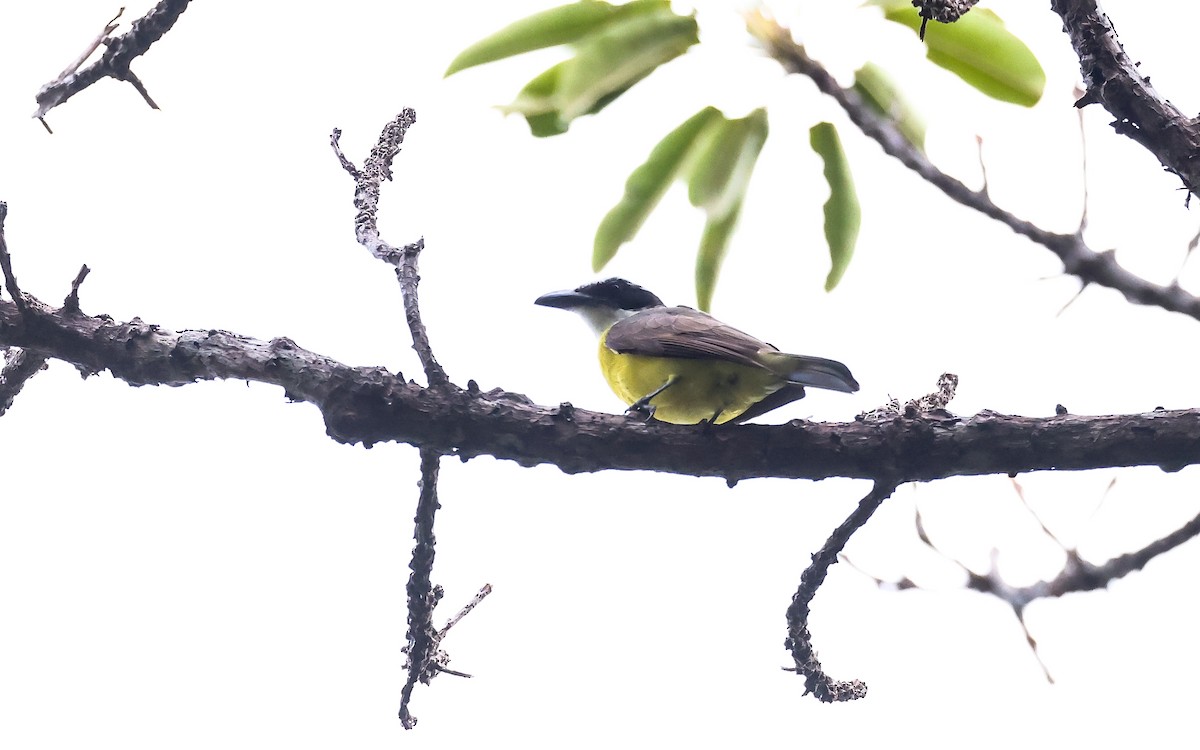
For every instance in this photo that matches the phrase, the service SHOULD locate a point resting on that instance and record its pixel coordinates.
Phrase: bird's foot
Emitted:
(642, 409)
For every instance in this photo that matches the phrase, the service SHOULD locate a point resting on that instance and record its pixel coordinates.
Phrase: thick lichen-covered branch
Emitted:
(371, 405)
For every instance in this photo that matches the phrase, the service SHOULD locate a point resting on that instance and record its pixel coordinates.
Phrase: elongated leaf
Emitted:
(878, 89)
(978, 49)
(724, 161)
(647, 184)
(537, 102)
(537, 97)
(842, 212)
(714, 245)
(608, 63)
(620, 54)
(549, 28)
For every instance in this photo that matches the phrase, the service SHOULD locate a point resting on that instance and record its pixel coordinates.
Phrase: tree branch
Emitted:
(426, 659)
(1077, 574)
(19, 366)
(6, 269)
(1114, 81)
(116, 59)
(370, 405)
(1077, 258)
(799, 640)
(368, 184)
(423, 637)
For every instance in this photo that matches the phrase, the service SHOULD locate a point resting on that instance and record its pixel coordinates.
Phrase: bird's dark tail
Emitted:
(815, 372)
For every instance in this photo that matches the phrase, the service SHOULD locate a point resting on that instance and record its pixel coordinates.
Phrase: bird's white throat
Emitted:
(600, 319)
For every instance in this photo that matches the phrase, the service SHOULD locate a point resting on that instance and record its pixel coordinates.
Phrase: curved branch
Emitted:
(1114, 81)
(1078, 574)
(368, 182)
(799, 640)
(370, 405)
(1077, 258)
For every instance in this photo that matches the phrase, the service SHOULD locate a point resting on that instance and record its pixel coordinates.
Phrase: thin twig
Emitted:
(479, 596)
(1020, 490)
(78, 62)
(1083, 164)
(422, 596)
(799, 640)
(1032, 642)
(1077, 258)
(1076, 575)
(409, 279)
(1001, 589)
(982, 164)
(1080, 575)
(368, 184)
(335, 140)
(1192, 244)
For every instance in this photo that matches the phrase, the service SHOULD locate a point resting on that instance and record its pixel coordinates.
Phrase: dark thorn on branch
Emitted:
(137, 84)
(71, 303)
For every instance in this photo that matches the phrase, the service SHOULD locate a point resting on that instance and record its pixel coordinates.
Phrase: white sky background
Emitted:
(202, 566)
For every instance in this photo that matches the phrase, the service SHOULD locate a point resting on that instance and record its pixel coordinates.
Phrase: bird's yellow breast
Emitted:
(703, 388)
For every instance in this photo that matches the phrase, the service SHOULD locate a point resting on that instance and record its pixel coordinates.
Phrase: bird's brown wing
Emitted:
(686, 333)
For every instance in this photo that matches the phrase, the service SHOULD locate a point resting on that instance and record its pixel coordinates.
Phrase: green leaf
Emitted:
(714, 244)
(978, 49)
(724, 161)
(721, 166)
(550, 28)
(881, 93)
(621, 54)
(647, 185)
(607, 64)
(536, 103)
(842, 212)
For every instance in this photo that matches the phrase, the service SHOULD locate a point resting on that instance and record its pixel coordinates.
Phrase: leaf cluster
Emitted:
(616, 46)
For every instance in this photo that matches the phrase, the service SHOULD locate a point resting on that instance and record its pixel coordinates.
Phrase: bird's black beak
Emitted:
(568, 299)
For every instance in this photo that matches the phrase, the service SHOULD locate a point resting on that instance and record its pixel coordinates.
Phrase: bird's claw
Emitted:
(642, 409)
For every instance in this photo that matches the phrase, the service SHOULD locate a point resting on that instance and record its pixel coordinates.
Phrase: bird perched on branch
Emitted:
(684, 366)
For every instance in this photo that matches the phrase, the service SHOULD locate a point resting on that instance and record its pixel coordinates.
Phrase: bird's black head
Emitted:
(614, 294)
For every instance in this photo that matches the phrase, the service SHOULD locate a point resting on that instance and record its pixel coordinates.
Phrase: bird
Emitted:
(684, 366)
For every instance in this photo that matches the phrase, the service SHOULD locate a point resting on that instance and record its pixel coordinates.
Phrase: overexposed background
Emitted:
(202, 566)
